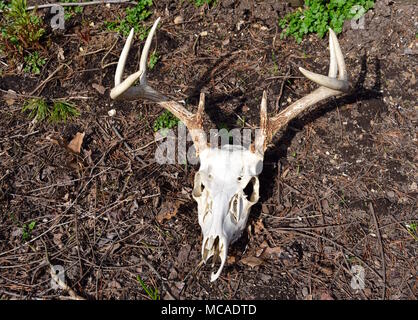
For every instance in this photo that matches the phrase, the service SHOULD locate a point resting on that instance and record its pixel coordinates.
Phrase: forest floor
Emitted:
(338, 189)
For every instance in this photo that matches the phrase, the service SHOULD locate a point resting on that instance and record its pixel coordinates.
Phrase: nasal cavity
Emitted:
(249, 188)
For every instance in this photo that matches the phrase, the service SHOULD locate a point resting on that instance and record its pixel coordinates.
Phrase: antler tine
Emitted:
(126, 91)
(121, 88)
(330, 86)
(340, 84)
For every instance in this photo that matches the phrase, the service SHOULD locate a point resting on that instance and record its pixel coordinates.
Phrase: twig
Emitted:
(47, 79)
(80, 4)
(127, 145)
(279, 97)
(382, 252)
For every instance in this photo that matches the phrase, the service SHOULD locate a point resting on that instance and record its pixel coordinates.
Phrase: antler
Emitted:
(329, 86)
(125, 90)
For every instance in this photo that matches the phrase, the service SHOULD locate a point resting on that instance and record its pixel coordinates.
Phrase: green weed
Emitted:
(165, 121)
(33, 63)
(70, 12)
(58, 111)
(27, 230)
(412, 230)
(199, 3)
(20, 29)
(153, 59)
(133, 19)
(151, 292)
(318, 15)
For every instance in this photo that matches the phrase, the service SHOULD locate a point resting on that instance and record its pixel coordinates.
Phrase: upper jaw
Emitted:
(217, 247)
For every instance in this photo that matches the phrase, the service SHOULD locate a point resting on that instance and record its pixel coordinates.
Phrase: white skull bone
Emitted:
(225, 188)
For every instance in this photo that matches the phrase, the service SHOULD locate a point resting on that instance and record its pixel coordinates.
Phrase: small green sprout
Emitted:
(153, 59)
(27, 230)
(412, 230)
(151, 292)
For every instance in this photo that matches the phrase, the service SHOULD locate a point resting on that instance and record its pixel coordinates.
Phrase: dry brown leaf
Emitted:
(75, 144)
(252, 261)
(231, 260)
(168, 211)
(99, 88)
(271, 251)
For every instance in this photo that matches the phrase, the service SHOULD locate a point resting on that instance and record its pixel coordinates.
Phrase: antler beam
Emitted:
(330, 86)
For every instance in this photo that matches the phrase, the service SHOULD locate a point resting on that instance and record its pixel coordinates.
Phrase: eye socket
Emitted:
(198, 186)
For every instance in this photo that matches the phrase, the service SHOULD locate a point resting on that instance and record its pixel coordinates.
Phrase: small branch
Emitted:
(382, 252)
(47, 79)
(80, 4)
(122, 139)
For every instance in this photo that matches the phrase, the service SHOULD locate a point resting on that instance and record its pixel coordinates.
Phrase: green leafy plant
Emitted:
(27, 230)
(3, 5)
(38, 109)
(151, 292)
(319, 15)
(165, 121)
(34, 63)
(61, 111)
(153, 59)
(20, 29)
(133, 19)
(199, 3)
(58, 111)
(70, 12)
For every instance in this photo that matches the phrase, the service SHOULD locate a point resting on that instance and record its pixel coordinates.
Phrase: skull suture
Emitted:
(225, 188)
(226, 185)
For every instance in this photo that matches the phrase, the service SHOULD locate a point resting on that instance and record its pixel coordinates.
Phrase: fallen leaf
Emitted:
(252, 261)
(99, 88)
(271, 251)
(75, 144)
(231, 260)
(168, 210)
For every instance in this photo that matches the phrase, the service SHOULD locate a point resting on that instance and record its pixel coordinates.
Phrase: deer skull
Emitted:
(226, 185)
(225, 188)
